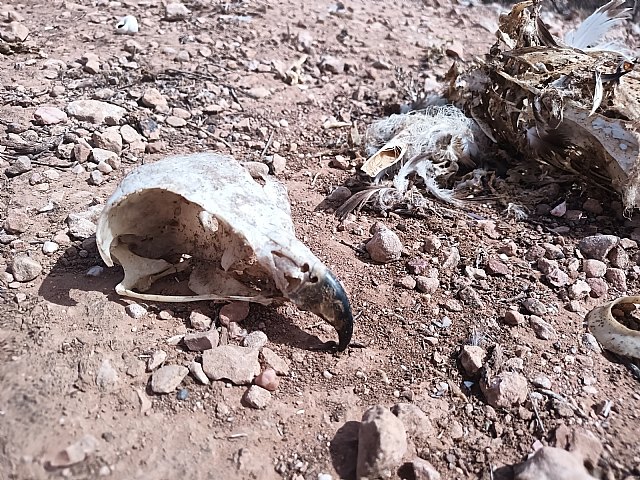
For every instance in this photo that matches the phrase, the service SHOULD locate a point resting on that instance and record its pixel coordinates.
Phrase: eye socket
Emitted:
(305, 268)
(313, 279)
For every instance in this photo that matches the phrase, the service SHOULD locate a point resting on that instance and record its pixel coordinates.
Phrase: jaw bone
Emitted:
(204, 213)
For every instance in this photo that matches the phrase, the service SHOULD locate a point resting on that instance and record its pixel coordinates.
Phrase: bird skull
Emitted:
(204, 218)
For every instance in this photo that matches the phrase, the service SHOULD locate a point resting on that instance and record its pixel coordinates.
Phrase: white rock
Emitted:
(257, 397)
(255, 339)
(156, 359)
(107, 376)
(50, 247)
(96, 112)
(198, 373)
(176, 11)
(129, 134)
(238, 364)
(550, 463)
(135, 310)
(49, 115)
(271, 358)
(25, 268)
(167, 378)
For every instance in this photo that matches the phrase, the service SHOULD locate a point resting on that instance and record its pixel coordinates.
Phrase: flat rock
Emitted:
(21, 165)
(129, 134)
(168, 378)
(513, 318)
(15, 32)
(75, 453)
(238, 364)
(257, 397)
(275, 361)
(25, 268)
(427, 284)
(175, 11)
(153, 98)
(258, 92)
(234, 312)
(534, 306)
(505, 390)
(598, 246)
(472, 358)
(551, 463)
(385, 246)
(135, 310)
(49, 115)
(96, 112)
(543, 330)
(17, 222)
(496, 266)
(110, 140)
(201, 341)
(200, 321)
(594, 268)
(382, 442)
(198, 373)
(255, 339)
(107, 376)
(156, 359)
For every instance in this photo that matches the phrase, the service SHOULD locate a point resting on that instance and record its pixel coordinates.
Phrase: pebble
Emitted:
(617, 279)
(168, 378)
(496, 266)
(541, 381)
(268, 379)
(75, 453)
(594, 268)
(175, 122)
(619, 258)
(135, 310)
(150, 129)
(385, 246)
(100, 155)
(257, 397)
(96, 112)
(278, 163)
(432, 244)
(599, 287)
(96, 178)
(50, 247)
(201, 341)
(129, 134)
(199, 321)
(305, 40)
(255, 339)
(17, 222)
(534, 253)
(25, 268)
(382, 442)
(80, 226)
(107, 376)
(513, 317)
(109, 140)
(21, 165)
(156, 359)
(579, 290)
(407, 282)
(534, 306)
(81, 152)
(238, 364)
(152, 98)
(49, 115)
(423, 470)
(198, 373)
(547, 266)
(417, 424)
(175, 11)
(272, 359)
(324, 476)
(427, 284)
(505, 390)
(258, 92)
(543, 330)
(558, 278)
(598, 246)
(472, 358)
(332, 64)
(234, 312)
(590, 342)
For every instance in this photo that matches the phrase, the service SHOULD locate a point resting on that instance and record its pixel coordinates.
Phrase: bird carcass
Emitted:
(574, 104)
(203, 218)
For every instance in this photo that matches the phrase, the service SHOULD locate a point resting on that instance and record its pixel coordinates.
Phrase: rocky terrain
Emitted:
(470, 352)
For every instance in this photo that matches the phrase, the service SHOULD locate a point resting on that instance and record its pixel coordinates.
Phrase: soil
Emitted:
(56, 330)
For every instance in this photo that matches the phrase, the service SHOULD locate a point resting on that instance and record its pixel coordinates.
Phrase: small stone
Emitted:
(15, 32)
(96, 178)
(176, 11)
(619, 258)
(305, 40)
(198, 373)
(558, 278)
(534, 306)
(107, 376)
(432, 244)
(559, 210)
(599, 287)
(152, 97)
(135, 310)
(201, 341)
(81, 225)
(496, 267)
(21, 165)
(109, 140)
(552, 252)
(543, 330)
(96, 112)
(199, 321)
(74, 453)
(513, 317)
(268, 380)
(17, 222)
(175, 122)
(385, 246)
(257, 397)
(423, 470)
(617, 279)
(129, 134)
(416, 423)
(50, 247)
(470, 297)
(472, 359)
(407, 282)
(25, 268)
(594, 268)
(81, 152)
(182, 394)
(181, 113)
(279, 164)
(579, 290)
(234, 312)
(156, 359)
(427, 284)
(332, 64)
(541, 382)
(505, 390)
(49, 116)
(510, 249)
(590, 342)
(151, 131)
(592, 205)
(552, 463)
(255, 339)
(101, 155)
(258, 92)
(168, 378)
(382, 442)
(238, 364)
(452, 260)
(598, 246)
(276, 362)
(534, 253)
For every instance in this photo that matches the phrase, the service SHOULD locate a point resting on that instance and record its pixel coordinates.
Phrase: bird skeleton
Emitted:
(204, 216)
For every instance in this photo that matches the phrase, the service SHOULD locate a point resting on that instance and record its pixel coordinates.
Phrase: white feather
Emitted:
(590, 32)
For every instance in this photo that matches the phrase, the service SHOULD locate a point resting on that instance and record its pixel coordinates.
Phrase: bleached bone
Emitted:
(204, 215)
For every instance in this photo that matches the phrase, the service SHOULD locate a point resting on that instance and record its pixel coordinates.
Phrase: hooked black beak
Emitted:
(323, 295)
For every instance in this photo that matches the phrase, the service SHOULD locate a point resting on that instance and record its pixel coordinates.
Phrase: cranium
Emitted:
(205, 217)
